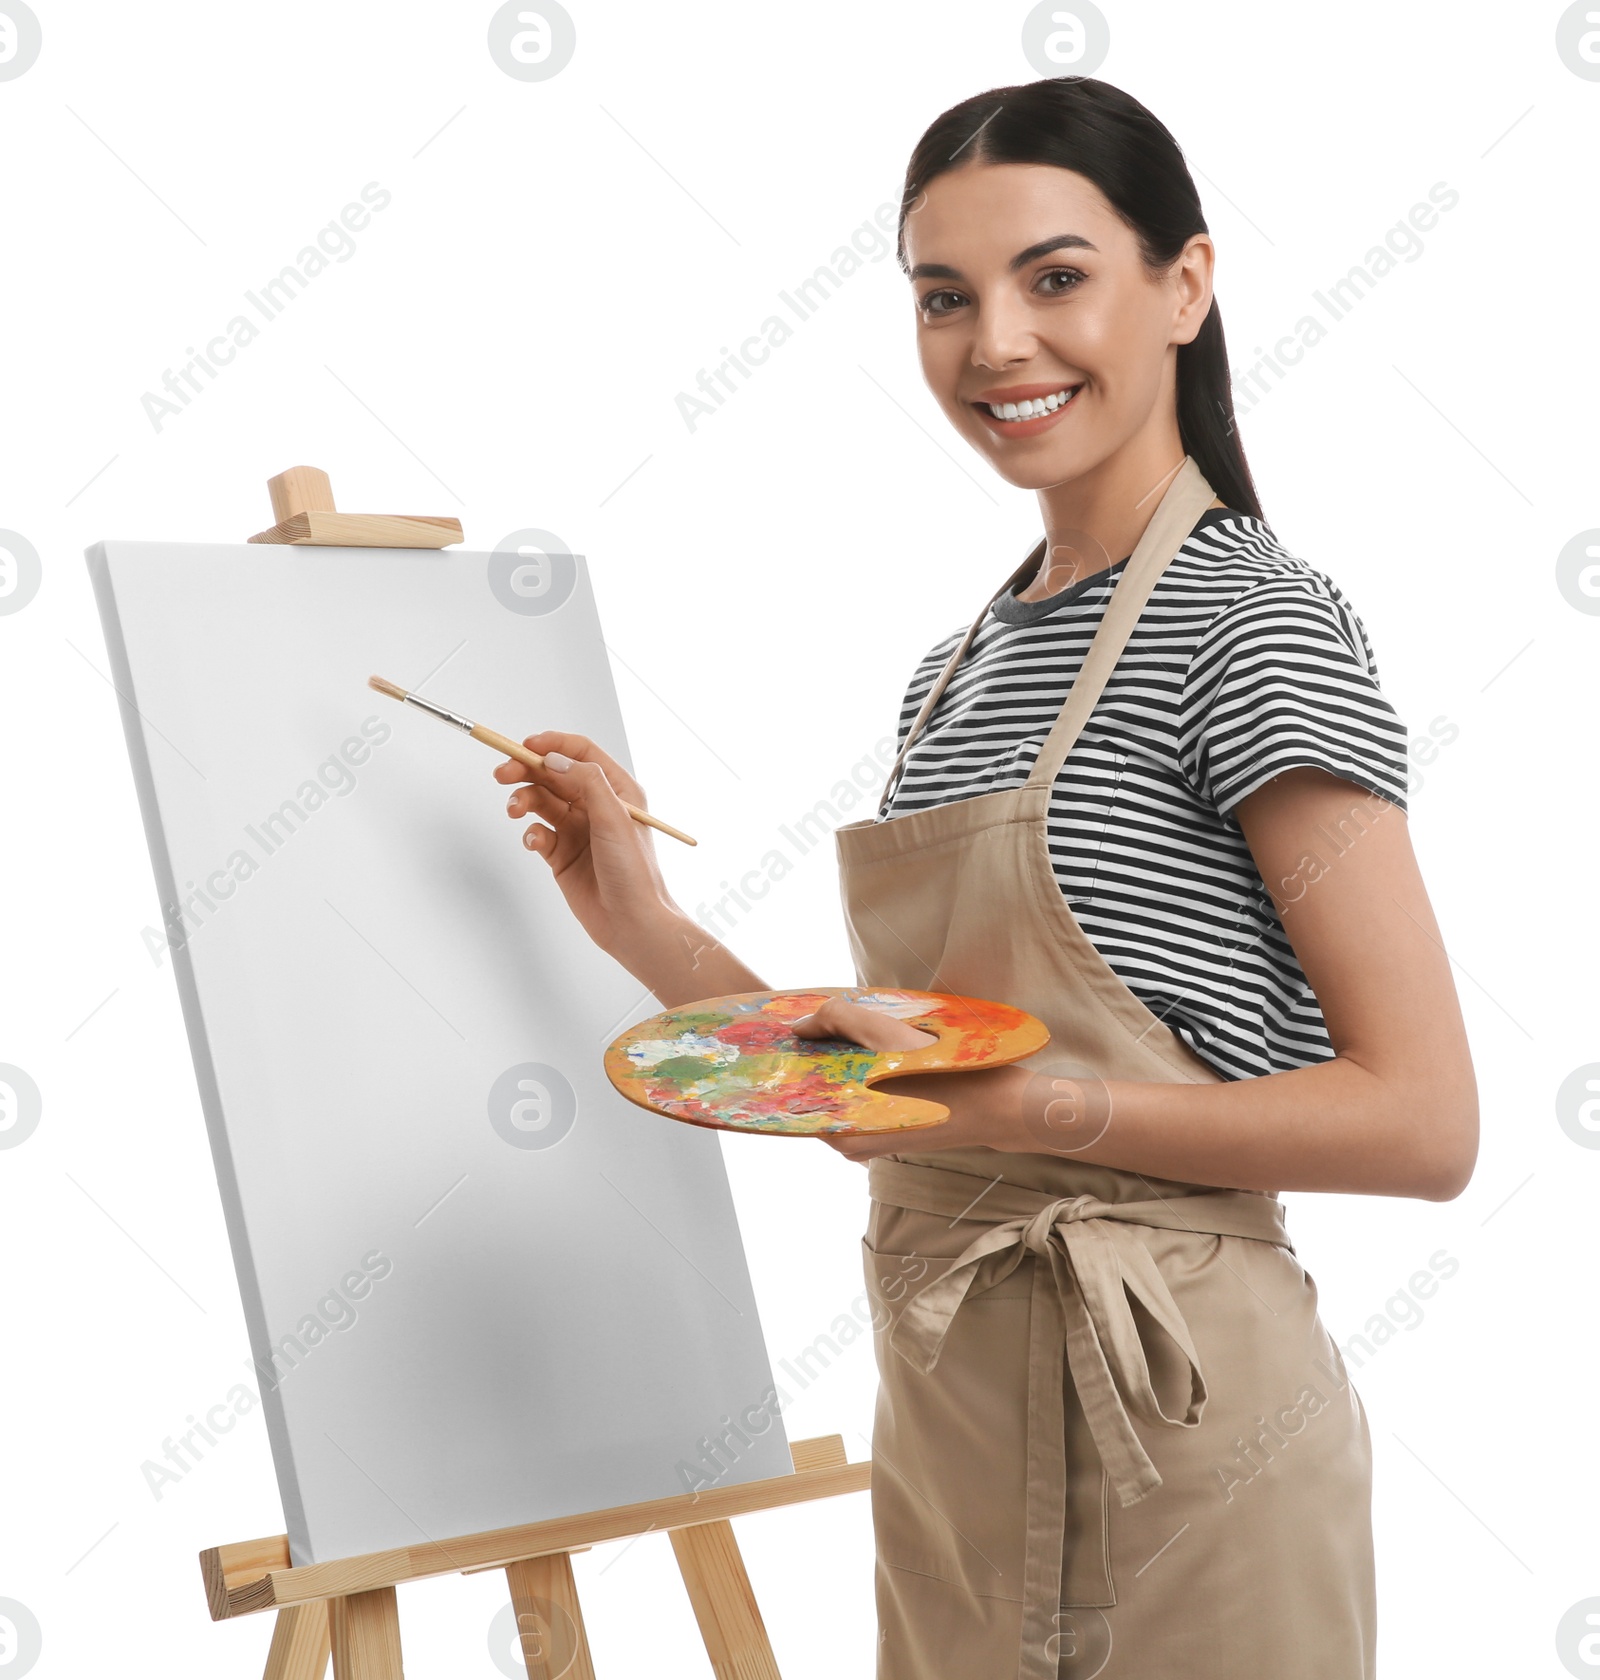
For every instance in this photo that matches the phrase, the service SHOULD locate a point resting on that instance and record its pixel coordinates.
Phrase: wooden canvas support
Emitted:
(300, 1644)
(724, 1606)
(302, 505)
(551, 1650)
(365, 1629)
(348, 1609)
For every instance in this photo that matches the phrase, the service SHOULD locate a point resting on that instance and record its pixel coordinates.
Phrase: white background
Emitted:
(507, 343)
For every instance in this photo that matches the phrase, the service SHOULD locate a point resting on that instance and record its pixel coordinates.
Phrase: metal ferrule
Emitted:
(443, 714)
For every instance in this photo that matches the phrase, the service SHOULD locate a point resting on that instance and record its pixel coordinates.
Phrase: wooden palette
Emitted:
(733, 1063)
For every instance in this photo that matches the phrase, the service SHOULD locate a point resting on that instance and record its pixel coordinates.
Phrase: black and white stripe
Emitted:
(1244, 662)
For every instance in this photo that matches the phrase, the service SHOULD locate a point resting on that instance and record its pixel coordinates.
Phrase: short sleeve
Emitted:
(1283, 676)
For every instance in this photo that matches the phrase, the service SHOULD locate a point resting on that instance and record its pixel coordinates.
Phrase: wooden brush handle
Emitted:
(535, 761)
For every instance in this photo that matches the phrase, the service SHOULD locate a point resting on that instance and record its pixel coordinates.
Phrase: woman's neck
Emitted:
(1093, 521)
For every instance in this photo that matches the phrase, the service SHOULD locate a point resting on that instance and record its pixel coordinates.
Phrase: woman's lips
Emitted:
(1027, 428)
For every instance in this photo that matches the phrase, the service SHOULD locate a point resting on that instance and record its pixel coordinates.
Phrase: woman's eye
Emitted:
(929, 300)
(1073, 276)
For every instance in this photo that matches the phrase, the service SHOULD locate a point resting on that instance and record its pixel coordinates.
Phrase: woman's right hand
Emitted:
(603, 861)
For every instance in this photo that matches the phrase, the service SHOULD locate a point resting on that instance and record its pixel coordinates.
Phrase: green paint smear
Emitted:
(681, 1070)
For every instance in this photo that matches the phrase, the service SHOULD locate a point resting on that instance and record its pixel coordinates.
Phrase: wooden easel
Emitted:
(348, 1608)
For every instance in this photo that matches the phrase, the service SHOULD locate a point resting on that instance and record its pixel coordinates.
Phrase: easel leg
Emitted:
(365, 1629)
(544, 1598)
(300, 1643)
(724, 1606)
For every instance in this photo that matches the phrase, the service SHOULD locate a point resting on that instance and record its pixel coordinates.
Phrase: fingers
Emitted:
(538, 838)
(578, 748)
(532, 800)
(833, 1018)
(588, 789)
(857, 1024)
(561, 831)
(591, 787)
(581, 809)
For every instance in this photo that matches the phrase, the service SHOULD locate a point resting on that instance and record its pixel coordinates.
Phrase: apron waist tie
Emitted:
(1096, 1259)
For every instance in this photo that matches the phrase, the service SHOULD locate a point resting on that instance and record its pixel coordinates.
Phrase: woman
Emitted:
(1159, 802)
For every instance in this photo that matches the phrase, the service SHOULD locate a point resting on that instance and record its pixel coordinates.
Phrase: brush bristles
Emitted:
(384, 686)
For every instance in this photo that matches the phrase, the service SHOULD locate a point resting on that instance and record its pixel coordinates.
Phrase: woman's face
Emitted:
(1000, 318)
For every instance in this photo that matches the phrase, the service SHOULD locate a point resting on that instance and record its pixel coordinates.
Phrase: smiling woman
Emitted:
(1108, 792)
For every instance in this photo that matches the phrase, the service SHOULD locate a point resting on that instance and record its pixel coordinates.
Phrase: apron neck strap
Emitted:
(1186, 498)
(949, 671)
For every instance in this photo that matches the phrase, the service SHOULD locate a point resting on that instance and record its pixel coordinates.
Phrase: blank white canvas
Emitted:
(529, 1304)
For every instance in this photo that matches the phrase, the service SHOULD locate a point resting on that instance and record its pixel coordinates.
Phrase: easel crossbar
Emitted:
(249, 1576)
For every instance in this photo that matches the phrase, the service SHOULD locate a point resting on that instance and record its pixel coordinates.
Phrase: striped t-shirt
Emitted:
(1245, 662)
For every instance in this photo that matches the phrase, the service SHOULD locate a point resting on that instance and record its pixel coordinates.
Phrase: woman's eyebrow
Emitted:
(1061, 241)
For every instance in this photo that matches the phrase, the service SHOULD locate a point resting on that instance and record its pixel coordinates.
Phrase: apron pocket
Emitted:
(949, 1446)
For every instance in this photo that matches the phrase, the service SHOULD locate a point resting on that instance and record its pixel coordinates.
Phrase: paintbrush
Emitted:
(504, 743)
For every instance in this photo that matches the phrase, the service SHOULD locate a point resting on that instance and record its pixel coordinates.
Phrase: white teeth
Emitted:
(1033, 407)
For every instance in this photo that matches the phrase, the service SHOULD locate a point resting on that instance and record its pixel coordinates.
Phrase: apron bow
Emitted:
(1036, 1234)
(1085, 1271)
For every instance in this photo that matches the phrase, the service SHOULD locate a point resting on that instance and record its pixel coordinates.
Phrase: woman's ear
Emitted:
(1191, 278)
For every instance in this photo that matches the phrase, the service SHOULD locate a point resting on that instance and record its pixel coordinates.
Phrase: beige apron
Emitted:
(1112, 1435)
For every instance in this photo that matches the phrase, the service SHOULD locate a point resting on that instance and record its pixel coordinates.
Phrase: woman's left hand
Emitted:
(975, 1099)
